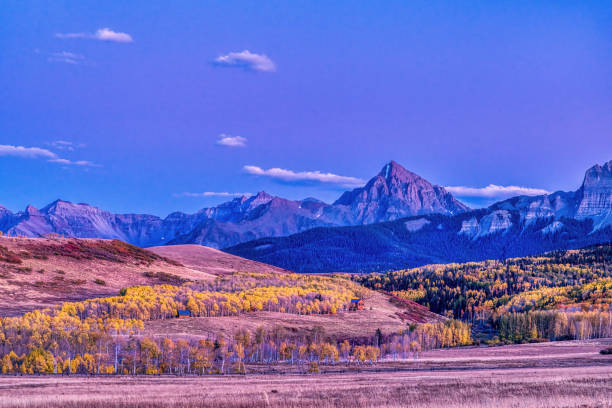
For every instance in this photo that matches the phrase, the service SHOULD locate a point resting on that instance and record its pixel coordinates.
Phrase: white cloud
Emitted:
(26, 152)
(102, 34)
(246, 60)
(290, 175)
(67, 57)
(231, 141)
(493, 191)
(106, 34)
(62, 145)
(40, 153)
(65, 145)
(75, 163)
(215, 194)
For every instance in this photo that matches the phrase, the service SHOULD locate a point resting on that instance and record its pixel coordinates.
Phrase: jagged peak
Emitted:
(262, 195)
(31, 210)
(59, 203)
(393, 171)
(598, 175)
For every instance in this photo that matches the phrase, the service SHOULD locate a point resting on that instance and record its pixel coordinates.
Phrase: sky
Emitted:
(154, 107)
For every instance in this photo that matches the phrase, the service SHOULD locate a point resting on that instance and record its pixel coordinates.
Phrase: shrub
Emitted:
(78, 281)
(8, 256)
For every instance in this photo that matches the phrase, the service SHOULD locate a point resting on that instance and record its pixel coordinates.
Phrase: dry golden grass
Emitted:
(571, 374)
(576, 387)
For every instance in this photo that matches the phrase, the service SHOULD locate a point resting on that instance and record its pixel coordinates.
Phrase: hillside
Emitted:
(212, 261)
(560, 294)
(232, 319)
(499, 283)
(379, 313)
(40, 272)
(519, 226)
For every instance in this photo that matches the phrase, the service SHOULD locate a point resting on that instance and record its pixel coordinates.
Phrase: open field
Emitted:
(379, 313)
(569, 374)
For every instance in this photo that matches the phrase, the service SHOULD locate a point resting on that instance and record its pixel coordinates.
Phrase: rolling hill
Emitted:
(212, 261)
(40, 272)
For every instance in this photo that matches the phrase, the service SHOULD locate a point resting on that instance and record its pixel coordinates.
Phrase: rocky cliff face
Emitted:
(596, 195)
(592, 201)
(396, 193)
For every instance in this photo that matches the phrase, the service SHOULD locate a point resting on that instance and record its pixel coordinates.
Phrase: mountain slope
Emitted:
(212, 261)
(259, 216)
(516, 227)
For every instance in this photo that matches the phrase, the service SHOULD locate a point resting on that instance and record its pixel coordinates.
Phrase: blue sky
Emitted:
(130, 106)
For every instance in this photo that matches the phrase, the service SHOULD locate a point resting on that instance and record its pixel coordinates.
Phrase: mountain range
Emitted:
(396, 220)
(519, 226)
(392, 194)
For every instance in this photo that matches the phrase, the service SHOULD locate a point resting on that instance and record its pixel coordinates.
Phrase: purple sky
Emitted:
(129, 106)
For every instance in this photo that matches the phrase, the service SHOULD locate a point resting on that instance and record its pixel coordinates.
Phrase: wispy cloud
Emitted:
(246, 60)
(67, 57)
(293, 176)
(66, 145)
(40, 153)
(494, 191)
(102, 34)
(26, 152)
(231, 141)
(75, 162)
(214, 194)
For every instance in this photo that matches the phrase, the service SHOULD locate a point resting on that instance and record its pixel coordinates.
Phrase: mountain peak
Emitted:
(595, 195)
(31, 210)
(395, 193)
(598, 176)
(262, 195)
(394, 170)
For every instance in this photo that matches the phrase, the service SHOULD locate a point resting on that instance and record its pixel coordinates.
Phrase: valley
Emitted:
(348, 204)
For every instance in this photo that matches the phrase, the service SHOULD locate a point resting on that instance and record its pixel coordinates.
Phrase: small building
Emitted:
(356, 304)
(181, 313)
